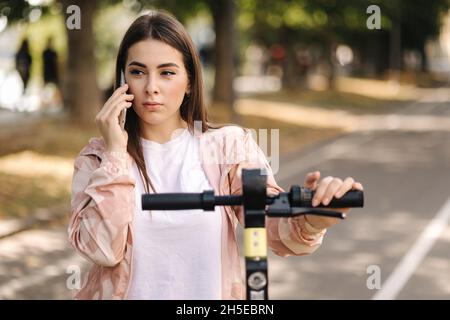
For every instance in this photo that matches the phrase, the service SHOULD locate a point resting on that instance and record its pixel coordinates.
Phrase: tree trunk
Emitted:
(290, 68)
(370, 57)
(424, 59)
(223, 12)
(396, 41)
(81, 92)
(330, 48)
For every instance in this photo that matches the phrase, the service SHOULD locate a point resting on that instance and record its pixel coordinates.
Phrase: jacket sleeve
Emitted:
(102, 207)
(285, 236)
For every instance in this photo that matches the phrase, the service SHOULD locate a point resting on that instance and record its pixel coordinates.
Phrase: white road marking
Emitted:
(406, 268)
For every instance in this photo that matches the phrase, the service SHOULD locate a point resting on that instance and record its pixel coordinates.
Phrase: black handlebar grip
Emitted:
(178, 201)
(302, 197)
(352, 199)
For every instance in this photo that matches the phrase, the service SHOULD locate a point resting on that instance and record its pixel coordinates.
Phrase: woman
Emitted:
(171, 255)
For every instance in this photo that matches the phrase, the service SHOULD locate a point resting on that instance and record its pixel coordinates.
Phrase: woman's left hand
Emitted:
(325, 190)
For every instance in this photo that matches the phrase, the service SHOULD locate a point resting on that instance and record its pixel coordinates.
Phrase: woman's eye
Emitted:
(167, 73)
(136, 72)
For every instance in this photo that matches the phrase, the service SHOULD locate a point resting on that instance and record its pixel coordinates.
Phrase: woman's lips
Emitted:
(151, 106)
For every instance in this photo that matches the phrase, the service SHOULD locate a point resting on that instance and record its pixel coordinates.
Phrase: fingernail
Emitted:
(326, 201)
(315, 203)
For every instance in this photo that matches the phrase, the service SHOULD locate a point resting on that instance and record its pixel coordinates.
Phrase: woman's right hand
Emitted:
(107, 119)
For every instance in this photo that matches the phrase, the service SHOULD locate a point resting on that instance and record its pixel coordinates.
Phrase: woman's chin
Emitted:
(153, 119)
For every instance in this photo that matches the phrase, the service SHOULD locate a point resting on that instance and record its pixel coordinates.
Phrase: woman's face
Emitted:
(157, 77)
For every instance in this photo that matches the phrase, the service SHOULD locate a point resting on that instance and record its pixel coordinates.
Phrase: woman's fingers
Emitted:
(328, 188)
(118, 92)
(108, 119)
(357, 186)
(122, 97)
(111, 115)
(346, 186)
(119, 107)
(113, 109)
(331, 190)
(320, 191)
(349, 184)
(311, 180)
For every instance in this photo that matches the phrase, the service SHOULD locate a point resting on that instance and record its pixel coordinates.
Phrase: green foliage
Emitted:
(308, 21)
(14, 9)
(183, 10)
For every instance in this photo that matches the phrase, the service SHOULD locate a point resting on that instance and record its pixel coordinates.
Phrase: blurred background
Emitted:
(354, 88)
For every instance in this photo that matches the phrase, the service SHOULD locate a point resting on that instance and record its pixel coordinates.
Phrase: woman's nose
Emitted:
(152, 85)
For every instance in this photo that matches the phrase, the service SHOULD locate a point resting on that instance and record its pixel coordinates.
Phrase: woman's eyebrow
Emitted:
(135, 63)
(163, 65)
(169, 64)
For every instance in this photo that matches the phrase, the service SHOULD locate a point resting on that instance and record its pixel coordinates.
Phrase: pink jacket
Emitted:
(102, 209)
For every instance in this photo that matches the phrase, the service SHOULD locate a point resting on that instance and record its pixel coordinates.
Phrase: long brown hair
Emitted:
(162, 26)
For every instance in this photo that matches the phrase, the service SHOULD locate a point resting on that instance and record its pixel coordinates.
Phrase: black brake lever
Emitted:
(318, 212)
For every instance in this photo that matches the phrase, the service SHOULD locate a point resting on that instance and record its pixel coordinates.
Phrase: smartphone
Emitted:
(123, 113)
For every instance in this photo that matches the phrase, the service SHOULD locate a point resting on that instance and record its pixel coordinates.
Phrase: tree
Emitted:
(81, 92)
(223, 12)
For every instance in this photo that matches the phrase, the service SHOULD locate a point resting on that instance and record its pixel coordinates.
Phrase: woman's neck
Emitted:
(163, 132)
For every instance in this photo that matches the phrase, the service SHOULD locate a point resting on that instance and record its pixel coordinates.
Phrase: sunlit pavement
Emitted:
(36, 264)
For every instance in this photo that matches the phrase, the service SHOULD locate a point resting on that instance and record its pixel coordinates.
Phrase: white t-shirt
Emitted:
(176, 254)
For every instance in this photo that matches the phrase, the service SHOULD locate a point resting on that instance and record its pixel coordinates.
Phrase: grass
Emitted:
(36, 166)
(52, 137)
(333, 100)
(20, 196)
